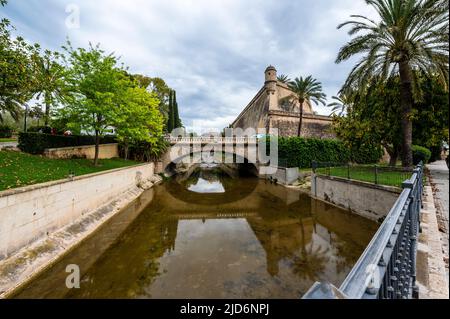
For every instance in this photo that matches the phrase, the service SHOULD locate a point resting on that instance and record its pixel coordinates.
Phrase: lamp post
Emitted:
(25, 118)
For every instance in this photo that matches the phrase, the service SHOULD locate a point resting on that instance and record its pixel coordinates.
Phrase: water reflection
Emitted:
(205, 181)
(271, 243)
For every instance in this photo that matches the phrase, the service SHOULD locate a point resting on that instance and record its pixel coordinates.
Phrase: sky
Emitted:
(212, 52)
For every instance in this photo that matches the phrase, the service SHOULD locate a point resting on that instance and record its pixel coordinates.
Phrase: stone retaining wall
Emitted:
(106, 151)
(365, 199)
(30, 213)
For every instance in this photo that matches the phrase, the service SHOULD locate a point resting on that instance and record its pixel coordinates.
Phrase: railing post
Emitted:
(348, 170)
(314, 166)
(413, 232)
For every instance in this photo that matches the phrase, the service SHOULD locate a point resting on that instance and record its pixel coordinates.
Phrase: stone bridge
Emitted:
(189, 151)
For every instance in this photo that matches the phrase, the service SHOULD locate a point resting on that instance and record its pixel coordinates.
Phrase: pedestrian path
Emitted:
(439, 174)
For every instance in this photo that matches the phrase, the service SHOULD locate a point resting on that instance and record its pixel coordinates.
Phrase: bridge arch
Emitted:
(190, 159)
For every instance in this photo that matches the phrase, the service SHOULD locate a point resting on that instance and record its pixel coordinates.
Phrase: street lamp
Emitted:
(25, 118)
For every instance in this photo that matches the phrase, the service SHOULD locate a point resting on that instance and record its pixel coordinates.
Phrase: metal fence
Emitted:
(380, 175)
(387, 268)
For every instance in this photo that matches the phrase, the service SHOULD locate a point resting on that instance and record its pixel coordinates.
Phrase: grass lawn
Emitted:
(367, 174)
(20, 169)
(5, 140)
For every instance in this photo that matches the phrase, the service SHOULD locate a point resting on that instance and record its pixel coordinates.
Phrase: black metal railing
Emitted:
(387, 268)
(376, 174)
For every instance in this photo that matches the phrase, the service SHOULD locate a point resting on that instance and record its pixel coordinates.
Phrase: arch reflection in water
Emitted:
(270, 242)
(205, 181)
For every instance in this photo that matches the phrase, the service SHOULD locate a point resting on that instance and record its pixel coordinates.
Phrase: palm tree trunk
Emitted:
(406, 101)
(300, 123)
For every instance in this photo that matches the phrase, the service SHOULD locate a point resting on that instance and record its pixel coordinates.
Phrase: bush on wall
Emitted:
(36, 143)
(301, 152)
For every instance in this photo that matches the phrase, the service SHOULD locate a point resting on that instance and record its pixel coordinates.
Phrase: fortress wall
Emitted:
(256, 114)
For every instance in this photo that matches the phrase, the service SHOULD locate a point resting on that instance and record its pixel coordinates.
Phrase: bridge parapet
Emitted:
(212, 140)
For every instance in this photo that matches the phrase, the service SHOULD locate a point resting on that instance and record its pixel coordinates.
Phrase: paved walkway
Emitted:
(440, 181)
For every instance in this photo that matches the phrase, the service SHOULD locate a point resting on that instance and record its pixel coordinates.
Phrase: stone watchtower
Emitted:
(275, 107)
(271, 87)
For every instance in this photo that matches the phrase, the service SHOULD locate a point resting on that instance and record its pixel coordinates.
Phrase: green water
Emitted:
(211, 236)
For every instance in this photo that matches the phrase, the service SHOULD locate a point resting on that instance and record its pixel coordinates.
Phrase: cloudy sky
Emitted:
(212, 52)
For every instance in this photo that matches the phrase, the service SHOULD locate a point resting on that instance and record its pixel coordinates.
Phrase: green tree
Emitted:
(410, 35)
(171, 119)
(138, 119)
(16, 75)
(50, 80)
(141, 80)
(97, 84)
(162, 91)
(283, 79)
(36, 114)
(373, 119)
(341, 104)
(306, 89)
(176, 115)
(431, 113)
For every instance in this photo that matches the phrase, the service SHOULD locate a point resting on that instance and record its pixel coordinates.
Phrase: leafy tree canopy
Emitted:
(105, 96)
(375, 117)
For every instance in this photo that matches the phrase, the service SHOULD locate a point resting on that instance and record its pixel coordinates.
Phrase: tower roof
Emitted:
(270, 68)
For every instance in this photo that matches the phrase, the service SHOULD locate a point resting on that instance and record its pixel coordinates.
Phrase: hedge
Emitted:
(40, 129)
(5, 131)
(301, 152)
(36, 143)
(420, 154)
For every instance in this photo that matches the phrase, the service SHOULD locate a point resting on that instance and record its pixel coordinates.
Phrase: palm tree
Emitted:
(283, 79)
(50, 80)
(341, 104)
(306, 89)
(410, 35)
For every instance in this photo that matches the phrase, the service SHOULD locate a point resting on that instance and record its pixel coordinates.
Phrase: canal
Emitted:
(209, 235)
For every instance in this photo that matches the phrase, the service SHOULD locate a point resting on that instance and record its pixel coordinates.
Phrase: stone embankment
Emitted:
(30, 259)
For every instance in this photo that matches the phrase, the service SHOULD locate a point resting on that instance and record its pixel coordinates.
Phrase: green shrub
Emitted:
(366, 154)
(301, 152)
(36, 143)
(144, 151)
(420, 154)
(5, 131)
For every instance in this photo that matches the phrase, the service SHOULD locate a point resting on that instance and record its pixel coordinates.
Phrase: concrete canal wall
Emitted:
(365, 199)
(284, 176)
(31, 213)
